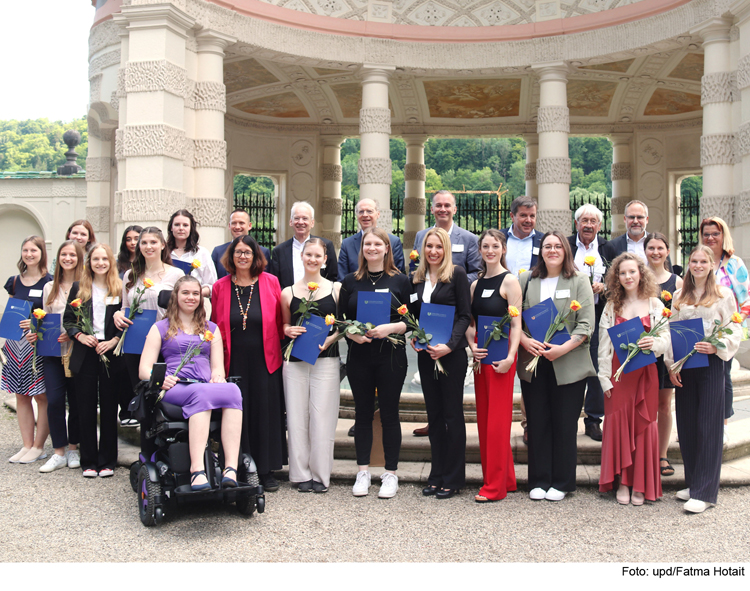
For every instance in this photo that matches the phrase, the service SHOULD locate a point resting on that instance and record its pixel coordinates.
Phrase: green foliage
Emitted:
(37, 144)
(253, 184)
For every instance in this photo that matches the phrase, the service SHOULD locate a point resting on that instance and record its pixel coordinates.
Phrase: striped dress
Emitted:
(17, 376)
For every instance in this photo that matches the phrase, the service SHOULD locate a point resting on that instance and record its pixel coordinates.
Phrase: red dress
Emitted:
(630, 444)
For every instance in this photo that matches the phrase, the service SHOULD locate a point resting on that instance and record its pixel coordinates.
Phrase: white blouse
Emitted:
(151, 298)
(206, 273)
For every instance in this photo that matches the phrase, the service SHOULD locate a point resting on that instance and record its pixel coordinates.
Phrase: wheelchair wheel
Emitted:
(134, 469)
(246, 503)
(147, 491)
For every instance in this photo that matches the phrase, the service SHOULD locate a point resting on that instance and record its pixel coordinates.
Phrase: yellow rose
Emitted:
(147, 283)
(76, 303)
(575, 305)
(413, 255)
(208, 336)
(330, 320)
(521, 271)
(402, 309)
(737, 318)
(39, 313)
(590, 260)
(513, 312)
(312, 286)
(196, 264)
(666, 312)
(666, 296)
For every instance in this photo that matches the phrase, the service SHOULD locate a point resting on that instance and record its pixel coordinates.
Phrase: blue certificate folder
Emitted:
(374, 307)
(51, 328)
(135, 338)
(496, 350)
(185, 266)
(306, 345)
(15, 311)
(436, 320)
(538, 319)
(625, 333)
(685, 333)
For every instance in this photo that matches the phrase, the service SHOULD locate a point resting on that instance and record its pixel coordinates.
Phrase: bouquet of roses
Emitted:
(497, 331)
(633, 349)
(418, 333)
(717, 333)
(140, 293)
(557, 324)
(305, 309)
(86, 326)
(356, 327)
(39, 314)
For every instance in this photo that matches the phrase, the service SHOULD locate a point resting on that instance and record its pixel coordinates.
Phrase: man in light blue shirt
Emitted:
(522, 240)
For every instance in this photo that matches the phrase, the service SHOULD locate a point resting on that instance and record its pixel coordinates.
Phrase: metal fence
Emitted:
(602, 202)
(689, 222)
(261, 207)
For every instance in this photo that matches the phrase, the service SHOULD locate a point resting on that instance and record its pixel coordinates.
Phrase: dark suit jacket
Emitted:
(349, 254)
(457, 293)
(283, 267)
(219, 251)
(69, 322)
(536, 243)
(469, 258)
(617, 246)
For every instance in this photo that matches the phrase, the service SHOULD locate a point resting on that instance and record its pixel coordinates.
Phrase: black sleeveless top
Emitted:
(495, 305)
(326, 306)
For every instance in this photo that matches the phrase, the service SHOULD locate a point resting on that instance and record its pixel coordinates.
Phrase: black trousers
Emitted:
(699, 408)
(377, 366)
(93, 385)
(593, 404)
(552, 413)
(444, 399)
(58, 388)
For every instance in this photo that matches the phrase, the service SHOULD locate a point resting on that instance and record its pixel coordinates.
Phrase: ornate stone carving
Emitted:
(150, 205)
(742, 211)
(98, 169)
(154, 140)
(743, 141)
(334, 236)
(716, 88)
(553, 119)
(331, 206)
(621, 171)
(722, 206)
(95, 88)
(302, 152)
(553, 170)
(415, 205)
(103, 35)
(332, 172)
(107, 134)
(98, 216)
(652, 151)
(190, 93)
(93, 128)
(375, 121)
(114, 101)
(734, 89)
(548, 220)
(210, 154)
(104, 61)
(119, 135)
(210, 96)
(414, 171)
(618, 204)
(717, 148)
(409, 237)
(743, 72)
(531, 171)
(385, 220)
(374, 170)
(209, 211)
(158, 75)
(189, 159)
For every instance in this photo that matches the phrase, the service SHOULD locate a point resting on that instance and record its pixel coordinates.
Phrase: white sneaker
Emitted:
(683, 495)
(54, 463)
(537, 494)
(74, 458)
(555, 495)
(696, 506)
(725, 438)
(362, 485)
(389, 486)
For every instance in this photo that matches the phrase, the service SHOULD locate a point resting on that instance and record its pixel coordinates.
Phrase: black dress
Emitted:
(262, 418)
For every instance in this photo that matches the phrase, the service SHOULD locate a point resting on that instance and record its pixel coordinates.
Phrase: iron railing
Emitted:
(261, 207)
(602, 202)
(689, 222)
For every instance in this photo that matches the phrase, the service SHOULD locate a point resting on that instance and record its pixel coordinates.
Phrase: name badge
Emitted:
(486, 293)
(562, 294)
(535, 250)
(386, 290)
(412, 298)
(35, 293)
(457, 248)
(112, 301)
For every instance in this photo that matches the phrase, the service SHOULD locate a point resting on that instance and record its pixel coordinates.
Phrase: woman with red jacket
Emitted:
(247, 309)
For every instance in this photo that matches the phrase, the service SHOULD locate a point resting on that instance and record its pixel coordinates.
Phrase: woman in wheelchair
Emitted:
(199, 386)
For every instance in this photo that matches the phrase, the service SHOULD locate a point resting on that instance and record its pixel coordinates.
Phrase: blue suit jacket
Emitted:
(536, 243)
(349, 254)
(464, 250)
(219, 251)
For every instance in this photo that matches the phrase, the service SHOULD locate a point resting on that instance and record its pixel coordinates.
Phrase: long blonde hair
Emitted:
(173, 311)
(711, 293)
(445, 270)
(114, 285)
(60, 272)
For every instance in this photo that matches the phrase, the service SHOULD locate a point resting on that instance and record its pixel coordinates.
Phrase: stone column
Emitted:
(209, 205)
(742, 211)
(415, 175)
(152, 145)
(532, 154)
(98, 178)
(374, 169)
(330, 204)
(717, 141)
(553, 164)
(621, 180)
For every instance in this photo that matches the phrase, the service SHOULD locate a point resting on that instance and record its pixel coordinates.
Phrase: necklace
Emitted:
(243, 312)
(376, 275)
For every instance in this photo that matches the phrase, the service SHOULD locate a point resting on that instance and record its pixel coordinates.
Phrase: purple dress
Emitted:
(195, 398)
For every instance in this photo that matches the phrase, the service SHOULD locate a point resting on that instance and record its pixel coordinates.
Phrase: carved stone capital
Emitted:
(621, 171)
(332, 172)
(149, 205)
(553, 119)
(722, 206)
(374, 171)
(531, 171)
(415, 205)
(414, 171)
(209, 211)
(717, 148)
(716, 88)
(210, 96)
(618, 204)
(153, 140)
(743, 140)
(99, 217)
(548, 220)
(553, 170)
(157, 75)
(375, 120)
(210, 154)
(742, 215)
(98, 169)
(331, 206)
(743, 72)
(332, 235)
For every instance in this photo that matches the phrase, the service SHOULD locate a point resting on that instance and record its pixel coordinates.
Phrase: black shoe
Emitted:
(351, 431)
(319, 487)
(270, 484)
(305, 486)
(446, 493)
(428, 491)
(594, 431)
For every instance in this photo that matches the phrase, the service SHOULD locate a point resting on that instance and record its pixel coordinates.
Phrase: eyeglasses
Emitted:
(243, 254)
(552, 247)
(712, 235)
(366, 212)
(632, 218)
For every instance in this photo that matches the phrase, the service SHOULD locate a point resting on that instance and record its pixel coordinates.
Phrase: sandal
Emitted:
(667, 470)
(226, 481)
(483, 499)
(198, 487)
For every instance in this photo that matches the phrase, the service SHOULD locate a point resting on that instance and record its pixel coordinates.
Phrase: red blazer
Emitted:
(222, 297)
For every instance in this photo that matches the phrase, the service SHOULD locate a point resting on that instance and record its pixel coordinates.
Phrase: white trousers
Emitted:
(312, 411)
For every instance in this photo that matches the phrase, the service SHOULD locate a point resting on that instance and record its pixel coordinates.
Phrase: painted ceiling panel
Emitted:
(246, 74)
(473, 99)
(672, 102)
(285, 106)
